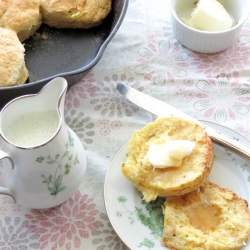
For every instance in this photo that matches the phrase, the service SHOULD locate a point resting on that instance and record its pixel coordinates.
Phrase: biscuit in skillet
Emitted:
(22, 16)
(153, 182)
(12, 66)
(210, 217)
(74, 13)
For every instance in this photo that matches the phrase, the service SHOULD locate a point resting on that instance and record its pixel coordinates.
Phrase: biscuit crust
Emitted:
(210, 217)
(12, 66)
(22, 16)
(169, 181)
(74, 13)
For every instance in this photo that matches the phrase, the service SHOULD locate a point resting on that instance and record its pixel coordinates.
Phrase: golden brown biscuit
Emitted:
(22, 16)
(74, 13)
(12, 67)
(209, 218)
(153, 182)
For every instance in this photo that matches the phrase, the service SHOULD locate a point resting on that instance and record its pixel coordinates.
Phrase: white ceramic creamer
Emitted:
(42, 161)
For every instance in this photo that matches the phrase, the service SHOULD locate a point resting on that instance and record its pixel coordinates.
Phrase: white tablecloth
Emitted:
(145, 55)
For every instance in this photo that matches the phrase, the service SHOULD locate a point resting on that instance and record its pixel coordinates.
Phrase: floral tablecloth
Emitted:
(145, 55)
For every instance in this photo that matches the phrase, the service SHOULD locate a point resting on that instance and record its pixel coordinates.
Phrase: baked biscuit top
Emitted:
(22, 16)
(74, 13)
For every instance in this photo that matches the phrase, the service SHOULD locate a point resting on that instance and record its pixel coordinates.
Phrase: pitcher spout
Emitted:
(54, 93)
(41, 113)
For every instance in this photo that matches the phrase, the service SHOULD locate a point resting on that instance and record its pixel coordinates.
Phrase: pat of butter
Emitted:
(169, 154)
(209, 15)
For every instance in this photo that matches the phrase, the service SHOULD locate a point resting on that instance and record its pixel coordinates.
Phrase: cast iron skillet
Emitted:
(69, 53)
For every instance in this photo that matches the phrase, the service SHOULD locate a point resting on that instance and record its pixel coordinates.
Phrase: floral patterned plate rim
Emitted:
(139, 224)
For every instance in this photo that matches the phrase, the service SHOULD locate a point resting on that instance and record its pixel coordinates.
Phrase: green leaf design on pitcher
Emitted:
(63, 166)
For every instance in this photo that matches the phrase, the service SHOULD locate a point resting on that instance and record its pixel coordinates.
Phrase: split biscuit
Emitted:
(12, 66)
(22, 16)
(74, 13)
(210, 217)
(153, 182)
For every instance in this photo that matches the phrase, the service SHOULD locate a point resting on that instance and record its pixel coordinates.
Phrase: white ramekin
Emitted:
(209, 42)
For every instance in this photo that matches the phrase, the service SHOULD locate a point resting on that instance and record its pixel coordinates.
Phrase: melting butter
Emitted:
(203, 216)
(209, 15)
(169, 154)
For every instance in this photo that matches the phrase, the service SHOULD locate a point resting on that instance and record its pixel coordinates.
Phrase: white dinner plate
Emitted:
(138, 224)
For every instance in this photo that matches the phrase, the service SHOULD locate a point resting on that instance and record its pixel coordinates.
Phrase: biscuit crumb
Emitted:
(44, 36)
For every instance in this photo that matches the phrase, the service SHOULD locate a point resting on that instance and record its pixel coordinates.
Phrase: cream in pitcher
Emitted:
(47, 159)
(33, 128)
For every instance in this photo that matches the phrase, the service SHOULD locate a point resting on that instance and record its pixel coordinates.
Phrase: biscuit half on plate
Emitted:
(187, 177)
(210, 217)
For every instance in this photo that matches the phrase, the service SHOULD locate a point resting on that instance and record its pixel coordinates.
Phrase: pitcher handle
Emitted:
(5, 190)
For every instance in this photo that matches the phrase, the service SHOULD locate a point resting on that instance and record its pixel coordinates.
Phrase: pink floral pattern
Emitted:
(230, 61)
(104, 120)
(244, 130)
(115, 125)
(219, 98)
(79, 91)
(222, 99)
(162, 63)
(105, 131)
(107, 126)
(65, 225)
